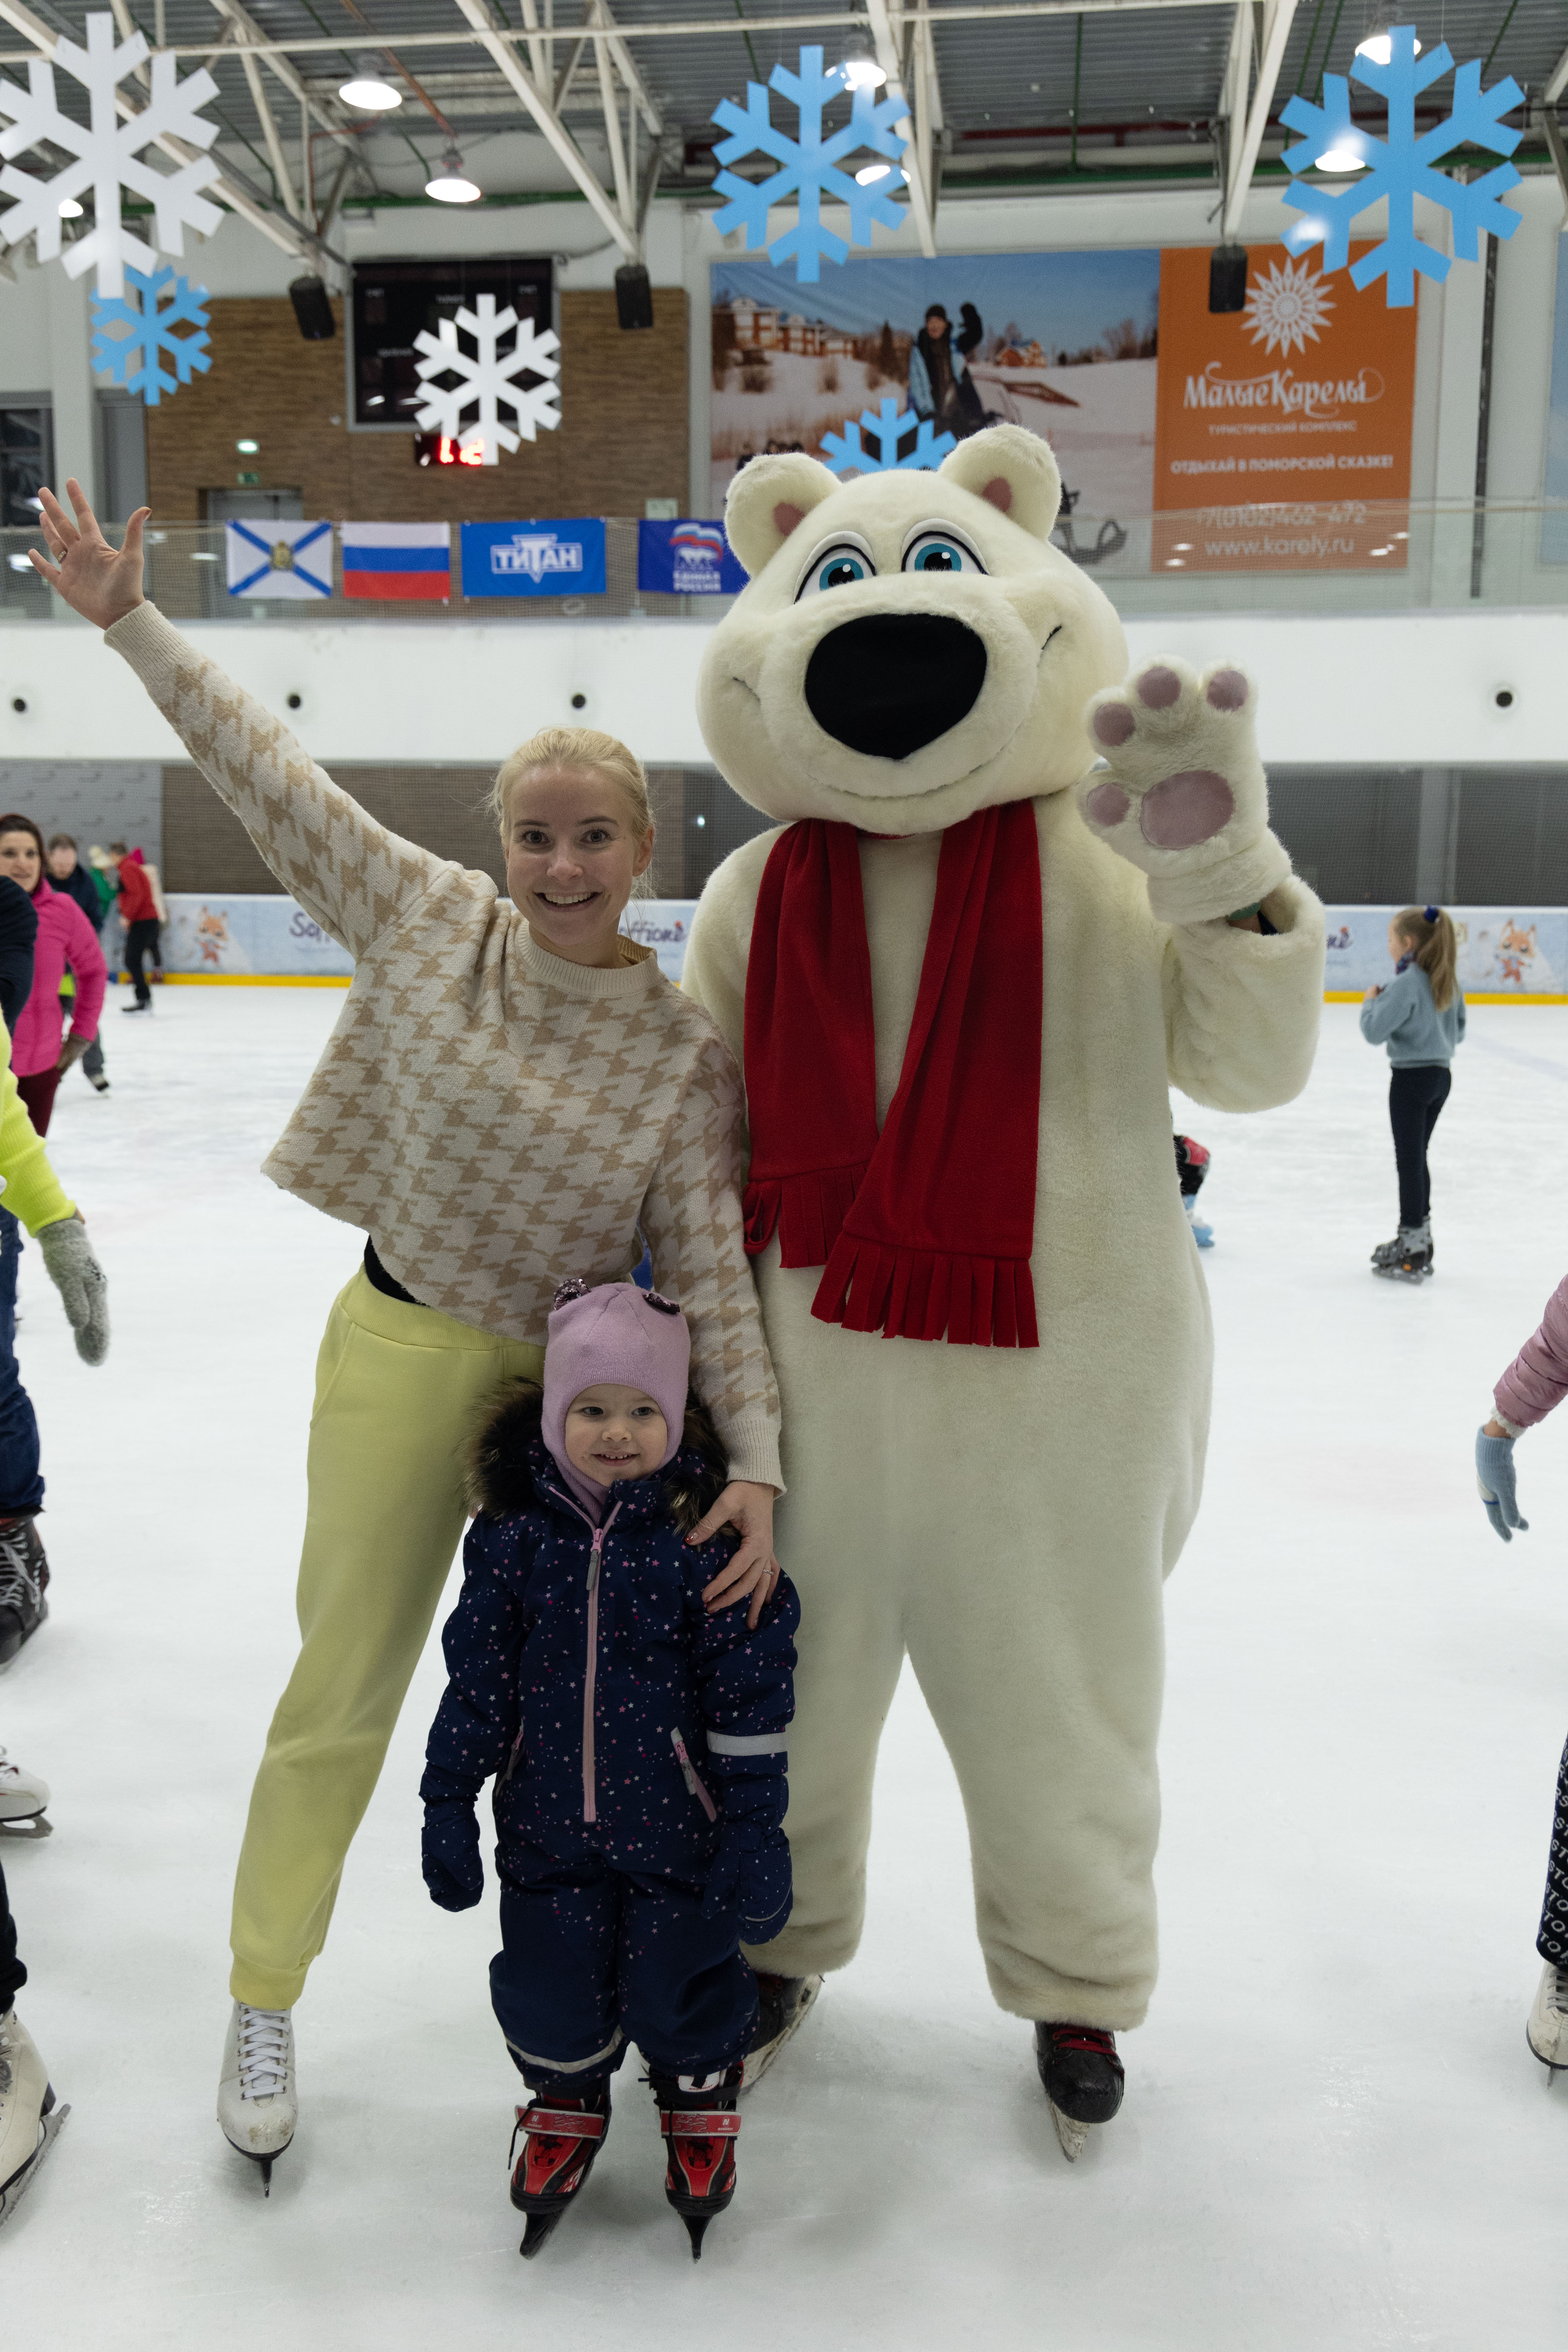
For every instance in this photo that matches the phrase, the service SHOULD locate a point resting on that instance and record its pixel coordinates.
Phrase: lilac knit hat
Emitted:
(616, 1332)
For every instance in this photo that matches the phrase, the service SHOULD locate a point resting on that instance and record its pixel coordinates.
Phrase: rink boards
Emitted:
(1506, 953)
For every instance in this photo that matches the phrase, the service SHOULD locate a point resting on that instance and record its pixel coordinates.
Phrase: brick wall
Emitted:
(622, 437)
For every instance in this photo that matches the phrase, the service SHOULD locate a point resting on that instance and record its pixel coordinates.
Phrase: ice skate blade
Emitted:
(536, 2229)
(17, 2188)
(697, 2229)
(27, 1825)
(265, 2163)
(1553, 2066)
(1073, 2136)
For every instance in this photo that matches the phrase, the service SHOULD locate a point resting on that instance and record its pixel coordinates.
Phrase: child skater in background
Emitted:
(1420, 1017)
(1534, 1385)
(590, 1679)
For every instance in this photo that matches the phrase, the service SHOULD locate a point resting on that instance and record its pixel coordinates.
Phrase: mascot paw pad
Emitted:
(1175, 746)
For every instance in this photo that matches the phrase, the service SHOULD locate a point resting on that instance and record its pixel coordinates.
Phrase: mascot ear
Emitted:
(767, 500)
(1014, 470)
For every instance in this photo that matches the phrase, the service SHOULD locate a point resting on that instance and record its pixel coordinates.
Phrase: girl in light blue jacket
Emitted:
(1420, 1017)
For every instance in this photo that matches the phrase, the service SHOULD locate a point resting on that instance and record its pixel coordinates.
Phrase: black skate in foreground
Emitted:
(782, 2006)
(1084, 2080)
(562, 2138)
(24, 1583)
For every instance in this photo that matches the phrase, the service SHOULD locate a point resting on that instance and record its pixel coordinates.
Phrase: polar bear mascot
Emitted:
(1008, 901)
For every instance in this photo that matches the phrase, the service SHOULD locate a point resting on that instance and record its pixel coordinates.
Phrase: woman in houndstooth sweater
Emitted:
(511, 1090)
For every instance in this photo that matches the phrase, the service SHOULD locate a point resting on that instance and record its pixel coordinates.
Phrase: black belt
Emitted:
(379, 1279)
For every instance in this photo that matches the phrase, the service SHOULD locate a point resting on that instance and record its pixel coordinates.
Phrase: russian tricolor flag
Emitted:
(411, 561)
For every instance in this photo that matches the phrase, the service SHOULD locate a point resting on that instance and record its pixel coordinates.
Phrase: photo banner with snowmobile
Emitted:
(1272, 439)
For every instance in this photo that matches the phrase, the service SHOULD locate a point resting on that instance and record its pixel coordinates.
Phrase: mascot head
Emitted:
(910, 647)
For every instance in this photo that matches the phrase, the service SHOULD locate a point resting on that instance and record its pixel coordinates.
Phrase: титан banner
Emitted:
(1282, 430)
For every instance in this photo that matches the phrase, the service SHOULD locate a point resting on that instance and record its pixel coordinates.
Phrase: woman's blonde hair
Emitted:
(1431, 934)
(576, 747)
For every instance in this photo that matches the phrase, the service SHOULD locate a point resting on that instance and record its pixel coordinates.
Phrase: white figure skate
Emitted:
(30, 2119)
(23, 1796)
(1547, 2031)
(257, 2104)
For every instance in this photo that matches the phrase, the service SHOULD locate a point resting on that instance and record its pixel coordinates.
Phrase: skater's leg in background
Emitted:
(552, 1983)
(138, 939)
(1407, 1118)
(21, 1488)
(1552, 1942)
(92, 1060)
(1440, 1080)
(13, 1973)
(38, 1092)
(396, 1390)
(687, 1997)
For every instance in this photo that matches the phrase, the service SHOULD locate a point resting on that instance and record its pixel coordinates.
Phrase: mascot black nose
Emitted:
(892, 681)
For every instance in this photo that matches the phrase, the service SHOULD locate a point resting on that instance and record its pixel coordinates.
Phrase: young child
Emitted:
(589, 1678)
(1420, 1017)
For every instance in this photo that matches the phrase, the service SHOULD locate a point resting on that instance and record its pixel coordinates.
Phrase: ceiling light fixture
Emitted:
(859, 67)
(248, 448)
(451, 185)
(869, 174)
(69, 208)
(1379, 47)
(368, 88)
(1341, 159)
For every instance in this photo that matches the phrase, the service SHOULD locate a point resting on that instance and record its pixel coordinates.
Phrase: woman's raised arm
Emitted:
(350, 874)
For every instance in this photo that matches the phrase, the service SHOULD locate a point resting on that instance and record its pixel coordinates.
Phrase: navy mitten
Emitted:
(450, 1853)
(751, 1876)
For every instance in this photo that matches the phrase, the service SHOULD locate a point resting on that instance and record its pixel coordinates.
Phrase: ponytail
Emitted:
(1435, 947)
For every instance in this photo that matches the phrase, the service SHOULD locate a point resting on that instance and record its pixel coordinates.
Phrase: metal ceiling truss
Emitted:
(581, 80)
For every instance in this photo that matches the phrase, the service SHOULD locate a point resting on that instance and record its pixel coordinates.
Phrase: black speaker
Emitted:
(634, 296)
(1227, 278)
(312, 309)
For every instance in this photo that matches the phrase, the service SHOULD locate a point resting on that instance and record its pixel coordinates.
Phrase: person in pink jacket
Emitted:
(1535, 1384)
(65, 937)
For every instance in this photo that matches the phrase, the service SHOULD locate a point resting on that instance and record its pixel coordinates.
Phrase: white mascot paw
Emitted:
(1180, 791)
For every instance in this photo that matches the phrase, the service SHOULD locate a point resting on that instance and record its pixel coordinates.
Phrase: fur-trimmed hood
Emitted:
(507, 1462)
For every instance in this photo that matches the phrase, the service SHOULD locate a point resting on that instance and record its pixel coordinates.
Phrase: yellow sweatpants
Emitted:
(397, 1391)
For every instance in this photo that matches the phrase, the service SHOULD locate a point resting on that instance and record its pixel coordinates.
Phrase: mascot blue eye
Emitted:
(937, 551)
(841, 567)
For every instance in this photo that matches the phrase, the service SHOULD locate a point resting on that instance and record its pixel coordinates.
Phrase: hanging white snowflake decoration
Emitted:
(843, 453)
(487, 378)
(1402, 168)
(808, 166)
(136, 359)
(106, 155)
(1287, 309)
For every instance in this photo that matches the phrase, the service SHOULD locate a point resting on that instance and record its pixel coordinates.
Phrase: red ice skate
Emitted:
(562, 2138)
(698, 2117)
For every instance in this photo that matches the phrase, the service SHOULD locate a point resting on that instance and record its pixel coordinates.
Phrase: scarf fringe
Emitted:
(807, 1212)
(920, 1293)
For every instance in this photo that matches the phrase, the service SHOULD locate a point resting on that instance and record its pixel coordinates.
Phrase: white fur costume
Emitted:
(1007, 1515)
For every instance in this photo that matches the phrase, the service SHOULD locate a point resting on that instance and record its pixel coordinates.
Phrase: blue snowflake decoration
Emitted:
(808, 166)
(136, 359)
(1404, 168)
(842, 452)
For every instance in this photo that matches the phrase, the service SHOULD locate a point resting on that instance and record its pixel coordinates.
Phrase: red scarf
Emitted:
(926, 1230)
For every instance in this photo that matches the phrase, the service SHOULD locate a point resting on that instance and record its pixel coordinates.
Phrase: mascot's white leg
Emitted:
(940, 1499)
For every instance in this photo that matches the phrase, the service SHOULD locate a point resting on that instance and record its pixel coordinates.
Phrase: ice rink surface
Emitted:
(1334, 2137)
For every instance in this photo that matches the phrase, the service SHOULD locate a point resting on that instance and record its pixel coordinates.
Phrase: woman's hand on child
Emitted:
(747, 1507)
(1494, 1476)
(100, 581)
(450, 1853)
(1373, 991)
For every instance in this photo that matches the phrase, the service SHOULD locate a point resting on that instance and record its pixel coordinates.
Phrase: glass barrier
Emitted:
(1351, 556)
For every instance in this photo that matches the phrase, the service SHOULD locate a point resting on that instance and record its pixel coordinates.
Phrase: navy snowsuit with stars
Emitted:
(628, 1729)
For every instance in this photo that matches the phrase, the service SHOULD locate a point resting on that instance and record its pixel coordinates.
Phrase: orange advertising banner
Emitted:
(1282, 430)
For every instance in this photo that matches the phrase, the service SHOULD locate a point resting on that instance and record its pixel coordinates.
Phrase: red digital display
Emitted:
(443, 449)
